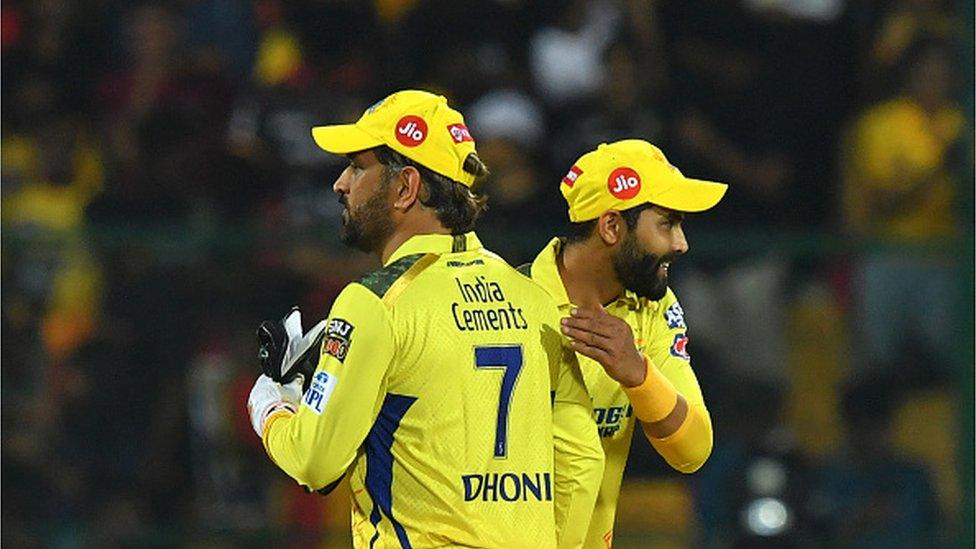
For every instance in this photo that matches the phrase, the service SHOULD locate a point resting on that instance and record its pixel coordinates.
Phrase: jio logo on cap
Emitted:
(411, 131)
(624, 183)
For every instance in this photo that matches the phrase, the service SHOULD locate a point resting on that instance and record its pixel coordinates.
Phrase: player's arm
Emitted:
(681, 433)
(663, 391)
(317, 443)
(577, 453)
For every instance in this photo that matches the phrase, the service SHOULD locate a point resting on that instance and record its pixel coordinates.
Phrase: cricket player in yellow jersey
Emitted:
(609, 276)
(444, 389)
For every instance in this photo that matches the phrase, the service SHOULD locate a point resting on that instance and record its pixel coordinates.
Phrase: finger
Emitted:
(590, 351)
(589, 338)
(604, 329)
(583, 312)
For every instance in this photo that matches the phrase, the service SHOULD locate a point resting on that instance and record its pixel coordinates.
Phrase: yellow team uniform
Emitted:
(897, 146)
(446, 392)
(661, 335)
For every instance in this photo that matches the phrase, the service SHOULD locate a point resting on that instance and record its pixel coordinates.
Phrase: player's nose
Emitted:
(679, 244)
(341, 185)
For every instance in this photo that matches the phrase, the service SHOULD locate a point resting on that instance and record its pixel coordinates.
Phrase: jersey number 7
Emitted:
(508, 358)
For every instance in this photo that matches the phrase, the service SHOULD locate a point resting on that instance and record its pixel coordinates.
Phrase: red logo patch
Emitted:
(680, 347)
(570, 178)
(624, 183)
(411, 131)
(459, 133)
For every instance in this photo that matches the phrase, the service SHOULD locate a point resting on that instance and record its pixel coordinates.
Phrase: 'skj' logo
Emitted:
(624, 183)
(411, 131)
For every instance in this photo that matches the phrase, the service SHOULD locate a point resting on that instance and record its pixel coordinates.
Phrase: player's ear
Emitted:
(407, 188)
(610, 227)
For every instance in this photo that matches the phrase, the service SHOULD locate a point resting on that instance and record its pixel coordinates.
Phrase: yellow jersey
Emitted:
(446, 392)
(661, 335)
(898, 147)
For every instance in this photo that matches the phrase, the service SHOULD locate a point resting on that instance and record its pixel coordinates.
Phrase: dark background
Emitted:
(161, 195)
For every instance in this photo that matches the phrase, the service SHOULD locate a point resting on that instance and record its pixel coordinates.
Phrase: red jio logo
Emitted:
(411, 131)
(624, 183)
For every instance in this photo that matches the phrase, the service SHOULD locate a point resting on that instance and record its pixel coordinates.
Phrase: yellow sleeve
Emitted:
(577, 452)
(688, 448)
(317, 444)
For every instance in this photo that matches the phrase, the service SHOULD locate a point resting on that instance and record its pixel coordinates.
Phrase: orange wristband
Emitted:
(655, 398)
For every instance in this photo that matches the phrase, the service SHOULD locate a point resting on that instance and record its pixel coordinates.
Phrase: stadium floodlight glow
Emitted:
(767, 517)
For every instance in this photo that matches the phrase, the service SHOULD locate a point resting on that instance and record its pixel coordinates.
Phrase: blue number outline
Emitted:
(510, 359)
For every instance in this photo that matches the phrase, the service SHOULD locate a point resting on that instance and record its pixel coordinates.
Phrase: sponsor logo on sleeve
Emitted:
(572, 176)
(319, 393)
(675, 316)
(680, 346)
(411, 131)
(338, 338)
(459, 133)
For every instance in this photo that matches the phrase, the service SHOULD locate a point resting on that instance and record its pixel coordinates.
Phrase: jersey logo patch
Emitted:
(338, 338)
(319, 393)
(675, 316)
(680, 346)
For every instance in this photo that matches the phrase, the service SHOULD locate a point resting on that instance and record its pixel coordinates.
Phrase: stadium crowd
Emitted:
(161, 195)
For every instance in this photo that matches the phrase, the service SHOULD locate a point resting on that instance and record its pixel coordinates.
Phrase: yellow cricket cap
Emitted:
(417, 124)
(628, 173)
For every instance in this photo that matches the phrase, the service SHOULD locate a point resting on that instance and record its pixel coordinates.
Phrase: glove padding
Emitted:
(285, 352)
(268, 397)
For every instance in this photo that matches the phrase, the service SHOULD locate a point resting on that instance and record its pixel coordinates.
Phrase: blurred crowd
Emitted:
(161, 195)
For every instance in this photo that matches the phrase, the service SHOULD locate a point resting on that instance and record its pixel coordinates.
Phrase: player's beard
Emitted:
(637, 269)
(368, 226)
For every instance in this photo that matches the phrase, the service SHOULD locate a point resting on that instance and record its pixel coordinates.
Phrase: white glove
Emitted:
(268, 397)
(285, 351)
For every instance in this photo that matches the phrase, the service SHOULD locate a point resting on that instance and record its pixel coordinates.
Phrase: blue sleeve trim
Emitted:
(379, 463)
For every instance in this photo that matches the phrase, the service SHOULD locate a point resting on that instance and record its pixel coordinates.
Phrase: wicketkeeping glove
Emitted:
(285, 351)
(268, 397)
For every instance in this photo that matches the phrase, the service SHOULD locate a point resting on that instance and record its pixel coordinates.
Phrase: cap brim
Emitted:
(691, 195)
(343, 139)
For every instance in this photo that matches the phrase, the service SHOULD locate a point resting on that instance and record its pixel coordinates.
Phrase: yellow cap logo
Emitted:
(624, 183)
(411, 131)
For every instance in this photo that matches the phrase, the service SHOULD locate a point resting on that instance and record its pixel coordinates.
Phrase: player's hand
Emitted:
(285, 351)
(608, 340)
(268, 396)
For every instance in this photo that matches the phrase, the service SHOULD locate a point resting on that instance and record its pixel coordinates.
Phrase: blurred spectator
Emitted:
(901, 26)
(510, 127)
(50, 175)
(160, 108)
(869, 496)
(566, 57)
(899, 188)
(745, 77)
(624, 110)
(269, 128)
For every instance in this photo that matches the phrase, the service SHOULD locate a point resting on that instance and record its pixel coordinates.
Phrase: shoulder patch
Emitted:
(675, 316)
(380, 281)
(525, 269)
